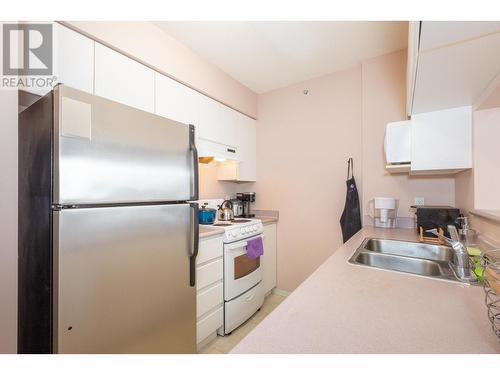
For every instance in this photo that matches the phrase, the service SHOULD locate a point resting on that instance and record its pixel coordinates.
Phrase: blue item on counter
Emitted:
(207, 215)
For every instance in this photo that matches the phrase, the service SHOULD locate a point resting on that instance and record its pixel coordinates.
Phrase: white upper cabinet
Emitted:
(437, 34)
(175, 100)
(216, 122)
(124, 80)
(453, 64)
(247, 147)
(73, 59)
(441, 141)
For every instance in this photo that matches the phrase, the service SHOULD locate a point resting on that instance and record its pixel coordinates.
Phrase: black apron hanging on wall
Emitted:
(350, 221)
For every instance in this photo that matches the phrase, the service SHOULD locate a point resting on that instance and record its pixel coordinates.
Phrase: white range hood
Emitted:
(218, 152)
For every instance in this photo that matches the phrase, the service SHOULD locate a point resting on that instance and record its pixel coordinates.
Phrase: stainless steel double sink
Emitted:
(408, 257)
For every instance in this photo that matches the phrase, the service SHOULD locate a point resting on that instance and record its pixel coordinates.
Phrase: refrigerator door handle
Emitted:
(194, 153)
(195, 232)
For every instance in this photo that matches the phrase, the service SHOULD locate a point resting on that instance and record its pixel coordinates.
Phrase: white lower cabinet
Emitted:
(269, 261)
(210, 291)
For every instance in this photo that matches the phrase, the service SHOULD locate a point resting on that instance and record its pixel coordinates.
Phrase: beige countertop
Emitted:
(267, 219)
(343, 308)
(206, 231)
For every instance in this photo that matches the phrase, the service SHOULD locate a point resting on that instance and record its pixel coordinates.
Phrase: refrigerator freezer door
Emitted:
(122, 280)
(107, 152)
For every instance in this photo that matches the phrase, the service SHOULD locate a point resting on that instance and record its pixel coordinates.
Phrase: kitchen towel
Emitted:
(255, 248)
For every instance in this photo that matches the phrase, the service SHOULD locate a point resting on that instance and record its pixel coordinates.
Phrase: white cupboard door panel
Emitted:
(122, 79)
(209, 324)
(437, 34)
(208, 274)
(208, 299)
(247, 148)
(269, 263)
(216, 122)
(73, 59)
(175, 100)
(442, 140)
(210, 248)
(457, 75)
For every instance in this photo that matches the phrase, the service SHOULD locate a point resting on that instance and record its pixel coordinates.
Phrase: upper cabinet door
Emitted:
(247, 147)
(175, 100)
(217, 122)
(124, 80)
(455, 64)
(437, 34)
(442, 140)
(73, 59)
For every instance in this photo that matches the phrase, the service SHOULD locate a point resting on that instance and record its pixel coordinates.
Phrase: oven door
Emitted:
(240, 272)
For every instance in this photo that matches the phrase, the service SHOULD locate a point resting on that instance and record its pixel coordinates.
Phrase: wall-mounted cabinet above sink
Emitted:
(450, 64)
(438, 142)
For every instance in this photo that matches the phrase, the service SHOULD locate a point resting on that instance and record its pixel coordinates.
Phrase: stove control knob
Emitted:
(241, 231)
(234, 233)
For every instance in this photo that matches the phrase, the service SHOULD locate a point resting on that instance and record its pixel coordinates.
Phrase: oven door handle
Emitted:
(242, 244)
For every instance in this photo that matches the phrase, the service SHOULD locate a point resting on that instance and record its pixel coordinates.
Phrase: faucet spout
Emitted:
(461, 262)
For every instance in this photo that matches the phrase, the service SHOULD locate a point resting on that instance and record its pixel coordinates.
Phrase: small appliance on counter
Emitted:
(435, 217)
(247, 198)
(384, 212)
(237, 207)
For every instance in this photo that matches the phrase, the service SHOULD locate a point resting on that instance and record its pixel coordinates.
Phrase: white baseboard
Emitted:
(206, 341)
(281, 292)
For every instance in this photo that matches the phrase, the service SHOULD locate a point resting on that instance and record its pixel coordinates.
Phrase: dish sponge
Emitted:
(473, 251)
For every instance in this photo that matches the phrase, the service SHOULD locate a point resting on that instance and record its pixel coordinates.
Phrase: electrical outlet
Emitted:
(419, 201)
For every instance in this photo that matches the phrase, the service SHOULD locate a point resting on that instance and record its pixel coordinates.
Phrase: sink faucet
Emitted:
(461, 262)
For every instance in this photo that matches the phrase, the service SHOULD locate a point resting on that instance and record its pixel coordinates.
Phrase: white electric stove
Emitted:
(243, 292)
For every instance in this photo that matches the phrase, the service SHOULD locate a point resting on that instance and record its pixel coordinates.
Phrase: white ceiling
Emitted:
(266, 55)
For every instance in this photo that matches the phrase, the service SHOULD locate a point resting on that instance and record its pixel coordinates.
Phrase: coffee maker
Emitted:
(246, 198)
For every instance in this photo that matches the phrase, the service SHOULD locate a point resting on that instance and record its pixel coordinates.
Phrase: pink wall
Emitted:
(303, 142)
(150, 45)
(384, 100)
(478, 188)
(486, 137)
(464, 190)
(210, 188)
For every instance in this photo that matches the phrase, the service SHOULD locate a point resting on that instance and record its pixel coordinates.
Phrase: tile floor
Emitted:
(224, 344)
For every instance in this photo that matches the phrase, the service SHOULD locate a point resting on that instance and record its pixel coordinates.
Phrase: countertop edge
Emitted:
(303, 323)
(493, 215)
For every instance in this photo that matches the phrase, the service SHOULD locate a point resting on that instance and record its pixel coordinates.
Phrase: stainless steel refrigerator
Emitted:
(107, 234)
